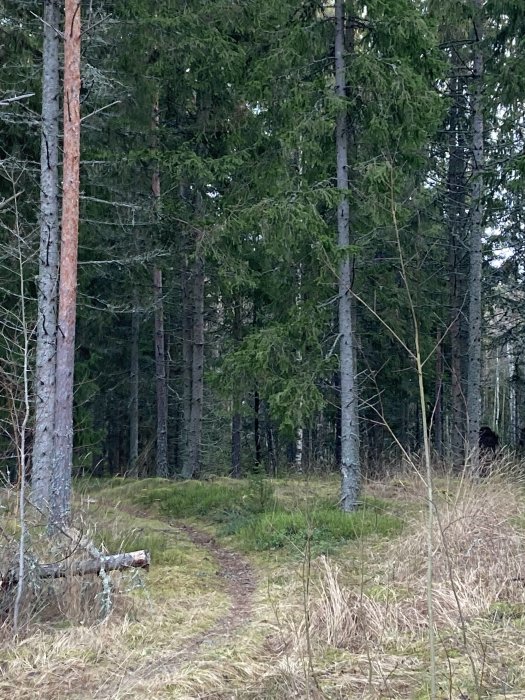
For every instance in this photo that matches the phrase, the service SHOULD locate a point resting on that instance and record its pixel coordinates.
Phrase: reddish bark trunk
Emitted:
(61, 481)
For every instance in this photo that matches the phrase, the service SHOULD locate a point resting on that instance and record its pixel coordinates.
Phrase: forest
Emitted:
(261, 281)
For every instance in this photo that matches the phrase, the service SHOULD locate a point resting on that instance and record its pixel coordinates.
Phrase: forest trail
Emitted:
(237, 576)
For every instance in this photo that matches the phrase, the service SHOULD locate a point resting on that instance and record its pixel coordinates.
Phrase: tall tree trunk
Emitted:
(476, 230)
(160, 378)
(187, 359)
(236, 401)
(270, 446)
(513, 407)
(161, 459)
(518, 376)
(173, 398)
(458, 263)
(437, 418)
(193, 465)
(236, 438)
(299, 449)
(48, 262)
(134, 393)
(257, 428)
(63, 447)
(350, 465)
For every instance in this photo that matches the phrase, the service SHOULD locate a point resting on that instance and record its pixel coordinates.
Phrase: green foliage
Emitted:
(324, 527)
(213, 500)
(246, 127)
(258, 521)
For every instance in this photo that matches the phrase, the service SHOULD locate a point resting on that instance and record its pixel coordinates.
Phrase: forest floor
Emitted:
(264, 590)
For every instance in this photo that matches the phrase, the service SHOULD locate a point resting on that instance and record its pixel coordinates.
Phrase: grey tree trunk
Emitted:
(350, 464)
(236, 402)
(458, 264)
(187, 359)
(271, 446)
(236, 439)
(161, 459)
(438, 406)
(162, 469)
(257, 428)
(60, 507)
(476, 230)
(134, 393)
(45, 374)
(193, 465)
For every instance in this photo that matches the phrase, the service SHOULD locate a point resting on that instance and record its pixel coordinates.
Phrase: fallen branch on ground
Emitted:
(111, 562)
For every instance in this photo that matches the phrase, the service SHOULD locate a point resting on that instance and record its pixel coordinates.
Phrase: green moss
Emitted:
(216, 500)
(504, 610)
(250, 512)
(325, 529)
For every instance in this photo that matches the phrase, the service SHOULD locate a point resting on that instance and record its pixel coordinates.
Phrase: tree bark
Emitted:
(161, 459)
(236, 402)
(112, 562)
(476, 231)
(270, 446)
(437, 419)
(187, 359)
(257, 428)
(458, 263)
(160, 377)
(350, 465)
(134, 393)
(236, 439)
(63, 446)
(193, 465)
(46, 333)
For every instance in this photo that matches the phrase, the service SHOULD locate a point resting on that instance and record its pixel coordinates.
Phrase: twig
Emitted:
(9, 100)
(100, 109)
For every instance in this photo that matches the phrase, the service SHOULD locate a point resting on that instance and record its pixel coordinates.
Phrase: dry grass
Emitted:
(363, 612)
(479, 595)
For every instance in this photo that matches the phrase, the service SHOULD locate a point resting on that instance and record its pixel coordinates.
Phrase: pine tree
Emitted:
(45, 374)
(60, 501)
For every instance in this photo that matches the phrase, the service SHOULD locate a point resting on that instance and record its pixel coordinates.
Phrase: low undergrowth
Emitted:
(258, 519)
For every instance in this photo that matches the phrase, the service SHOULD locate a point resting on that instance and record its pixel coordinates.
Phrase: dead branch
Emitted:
(112, 562)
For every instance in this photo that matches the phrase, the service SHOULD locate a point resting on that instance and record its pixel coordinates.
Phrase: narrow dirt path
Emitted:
(238, 577)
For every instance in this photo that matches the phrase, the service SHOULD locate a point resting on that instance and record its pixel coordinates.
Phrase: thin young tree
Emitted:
(60, 509)
(350, 465)
(48, 261)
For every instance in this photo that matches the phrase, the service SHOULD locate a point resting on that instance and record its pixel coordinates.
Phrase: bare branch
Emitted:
(9, 100)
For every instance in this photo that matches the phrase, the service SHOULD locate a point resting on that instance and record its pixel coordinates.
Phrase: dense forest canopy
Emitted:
(214, 137)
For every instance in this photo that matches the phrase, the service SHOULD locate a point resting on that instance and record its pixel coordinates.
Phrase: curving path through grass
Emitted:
(239, 581)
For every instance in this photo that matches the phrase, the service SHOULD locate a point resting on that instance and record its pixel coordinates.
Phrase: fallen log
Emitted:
(110, 562)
